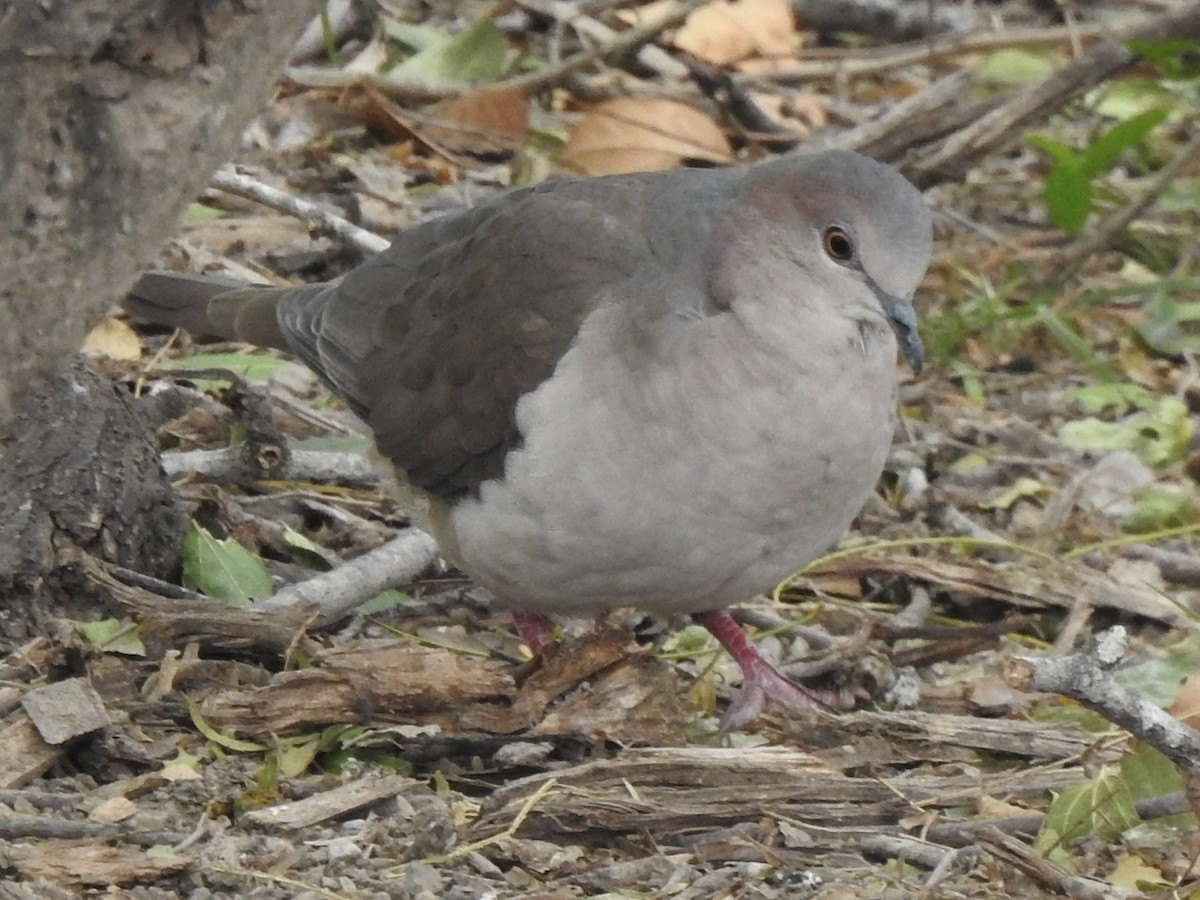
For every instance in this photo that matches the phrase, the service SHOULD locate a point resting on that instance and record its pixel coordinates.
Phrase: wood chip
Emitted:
(65, 710)
(327, 805)
(68, 863)
(23, 754)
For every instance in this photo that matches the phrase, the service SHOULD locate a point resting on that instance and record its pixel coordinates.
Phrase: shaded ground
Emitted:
(1041, 488)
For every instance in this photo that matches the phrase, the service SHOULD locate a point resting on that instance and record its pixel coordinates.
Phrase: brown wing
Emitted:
(435, 340)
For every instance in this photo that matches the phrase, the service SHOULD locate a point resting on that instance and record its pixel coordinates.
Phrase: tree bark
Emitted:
(114, 113)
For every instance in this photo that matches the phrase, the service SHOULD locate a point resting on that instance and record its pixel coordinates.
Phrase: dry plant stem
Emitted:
(395, 88)
(336, 593)
(949, 519)
(844, 64)
(1181, 568)
(652, 57)
(41, 799)
(1108, 232)
(317, 218)
(342, 16)
(15, 827)
(1006, 123)
(765, 620)
(936, 857)
(939, 109)
(617, 44)
(229, 465)
(887, 19)
(1021, 857)
(154, 585)
(1081, 677)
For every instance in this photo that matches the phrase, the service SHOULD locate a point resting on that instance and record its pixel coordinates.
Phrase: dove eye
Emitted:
(838, 244)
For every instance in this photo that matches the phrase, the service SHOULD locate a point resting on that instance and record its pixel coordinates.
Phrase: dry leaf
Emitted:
(726, 31)
(114, 339)
(380, 114)
(1186, 707)
(114, 809)
(482, 123)
(798, 113)
(637, 135)
(644, 12)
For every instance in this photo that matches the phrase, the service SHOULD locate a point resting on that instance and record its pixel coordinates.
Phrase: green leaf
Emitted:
(1103, 152)
(1169, 326)
(335, 736)
(1159, 506)
(251, 366)
(294, 755)
(113, 636)
(220, 738)
(223, 569)
(1101, 807)
(1157, 672)
(1059, 152)
(1013, 66)
(1176, 57)
(1018, 490)
(1147, 773)
(308, 553)
(1121, 396)
(476, 56)
(1129, 97)
(200, 212)
(382, 602)
(415, 37)
(335, 443)
(1068, 197)
(1159, 436)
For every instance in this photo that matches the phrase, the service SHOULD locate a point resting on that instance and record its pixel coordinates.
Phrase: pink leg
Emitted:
(760, 679)
(535, 630)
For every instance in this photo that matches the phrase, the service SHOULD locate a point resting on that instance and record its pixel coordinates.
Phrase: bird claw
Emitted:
(760, 680)
(534, 629)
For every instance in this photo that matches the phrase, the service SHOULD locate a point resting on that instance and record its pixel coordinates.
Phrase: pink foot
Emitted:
(535, 630)
(760, 679)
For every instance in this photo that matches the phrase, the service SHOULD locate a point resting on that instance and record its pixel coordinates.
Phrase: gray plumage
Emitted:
(661, 390)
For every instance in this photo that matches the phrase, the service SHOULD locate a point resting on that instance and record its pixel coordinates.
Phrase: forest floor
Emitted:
(1042, 491)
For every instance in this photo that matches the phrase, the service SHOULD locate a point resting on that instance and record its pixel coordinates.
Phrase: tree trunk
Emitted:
(114, 113)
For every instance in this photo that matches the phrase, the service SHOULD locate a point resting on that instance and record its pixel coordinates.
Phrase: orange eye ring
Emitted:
(838, 244)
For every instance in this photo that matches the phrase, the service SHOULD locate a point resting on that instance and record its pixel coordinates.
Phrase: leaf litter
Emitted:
(417, 751)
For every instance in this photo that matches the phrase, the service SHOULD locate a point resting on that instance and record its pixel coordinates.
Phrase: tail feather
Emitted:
(208, 306)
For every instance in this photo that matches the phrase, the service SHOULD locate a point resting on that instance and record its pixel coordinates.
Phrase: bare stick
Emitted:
(1006, 123)
(336, 593)
(1082, 677)
(13, 827)
(617, 44)
(317, 218)
(229, 464)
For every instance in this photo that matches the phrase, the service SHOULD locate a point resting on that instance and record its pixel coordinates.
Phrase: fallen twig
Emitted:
(13, 827)
(229, 464)
(336, 593)
(316, 217)
(1082, 677)
(949, 160)
(1023, 858)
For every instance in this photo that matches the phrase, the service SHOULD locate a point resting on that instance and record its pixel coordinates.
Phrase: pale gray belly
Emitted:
(687, 491)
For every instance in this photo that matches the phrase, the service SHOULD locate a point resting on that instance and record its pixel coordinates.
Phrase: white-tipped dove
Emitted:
(667, 391)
